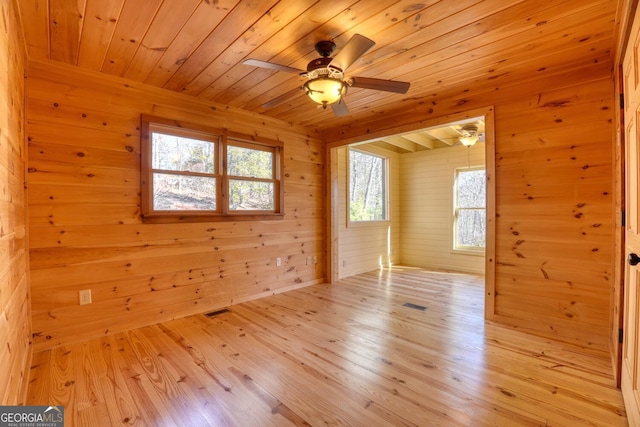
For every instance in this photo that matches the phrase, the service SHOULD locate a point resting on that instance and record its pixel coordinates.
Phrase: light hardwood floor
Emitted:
(347, 354)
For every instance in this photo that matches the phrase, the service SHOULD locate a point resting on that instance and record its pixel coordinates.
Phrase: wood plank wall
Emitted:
(554, 196)
(364, 246)
(426, 208)
(85, 227)
(15, 317)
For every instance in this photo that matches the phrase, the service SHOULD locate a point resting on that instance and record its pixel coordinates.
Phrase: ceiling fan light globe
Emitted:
(468, 141)
(325, 90)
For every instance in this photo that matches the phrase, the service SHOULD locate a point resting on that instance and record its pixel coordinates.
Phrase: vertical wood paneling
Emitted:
(35, 24)
(86, 232)
(235, 24)
(15, 316)
(167, 21)
(554, 198)
(96, 39)
(363, 246)
(208, 83)
(129, 31)
(427, 182)
(192, 34)
(65, 28)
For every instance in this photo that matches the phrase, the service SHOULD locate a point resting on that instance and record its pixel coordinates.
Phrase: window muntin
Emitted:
(191, 172)
(367, 187)
(470, 214)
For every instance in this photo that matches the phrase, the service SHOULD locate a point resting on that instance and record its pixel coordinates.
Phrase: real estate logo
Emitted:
(31, 416)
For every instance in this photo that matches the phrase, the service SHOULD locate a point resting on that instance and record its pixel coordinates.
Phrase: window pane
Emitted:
(471, 189)
(471, 227)
(249, 163)
(367, 186)
(176, 153)
(251, 195)
(183, 193)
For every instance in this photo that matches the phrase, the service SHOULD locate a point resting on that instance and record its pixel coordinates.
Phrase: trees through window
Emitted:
(252, 182)
(185, 174)
(367, 187)
(470, 214)
(191, 172)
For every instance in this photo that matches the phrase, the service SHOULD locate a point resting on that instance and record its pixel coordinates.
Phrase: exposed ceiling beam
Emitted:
(445, 135)
(421, 139)
(401, 142)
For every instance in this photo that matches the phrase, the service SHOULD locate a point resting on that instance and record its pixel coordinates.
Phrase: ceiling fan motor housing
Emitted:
(319, 63)
(325, 48)
(470, 129)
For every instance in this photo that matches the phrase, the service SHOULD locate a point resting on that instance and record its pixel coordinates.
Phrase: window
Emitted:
(193, 173)
(470, 217)
(252, 182)
(367, 187)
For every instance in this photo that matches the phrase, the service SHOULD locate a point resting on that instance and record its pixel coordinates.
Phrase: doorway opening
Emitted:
(418, 198)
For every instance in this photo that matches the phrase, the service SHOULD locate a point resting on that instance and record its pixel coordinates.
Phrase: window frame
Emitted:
(223, 138)
(472, 250)
(237, 142)
(387, 210)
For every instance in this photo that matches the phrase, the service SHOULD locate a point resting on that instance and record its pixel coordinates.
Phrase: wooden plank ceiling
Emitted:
(442, 48)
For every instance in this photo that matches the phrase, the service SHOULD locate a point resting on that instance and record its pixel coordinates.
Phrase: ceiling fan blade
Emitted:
(379, 84)
(271, 66)
(282, 98)
(340, 108)
(354, 49)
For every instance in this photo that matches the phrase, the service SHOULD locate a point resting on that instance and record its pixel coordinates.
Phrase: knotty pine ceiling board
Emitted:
(441, 47)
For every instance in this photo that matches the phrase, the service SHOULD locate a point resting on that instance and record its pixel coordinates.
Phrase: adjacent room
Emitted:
(316, 212)
(417, 199)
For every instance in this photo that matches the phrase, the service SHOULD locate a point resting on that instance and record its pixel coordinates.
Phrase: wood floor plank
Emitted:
(351, 353)
(152, 409)
(122, 407)
(62, 389)
(188, 375)
(223, 390)
(39, 376)
(397, 369)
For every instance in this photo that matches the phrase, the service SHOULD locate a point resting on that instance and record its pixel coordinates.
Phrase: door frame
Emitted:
(617, 294)
(332, 202)
(624, 19)
(628, 365)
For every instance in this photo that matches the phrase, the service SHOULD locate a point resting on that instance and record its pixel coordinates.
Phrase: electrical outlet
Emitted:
(308, 260)
(315, 259)
(344, 262)
(85, 296)
(278, 262)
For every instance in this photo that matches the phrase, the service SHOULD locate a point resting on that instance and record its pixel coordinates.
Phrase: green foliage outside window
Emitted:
(471, 215)
(186, 174)
(367, 187)
(250, 194)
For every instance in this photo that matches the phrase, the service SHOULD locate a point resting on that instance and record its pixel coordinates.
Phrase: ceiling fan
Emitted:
(469, 134)
(326, 83)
